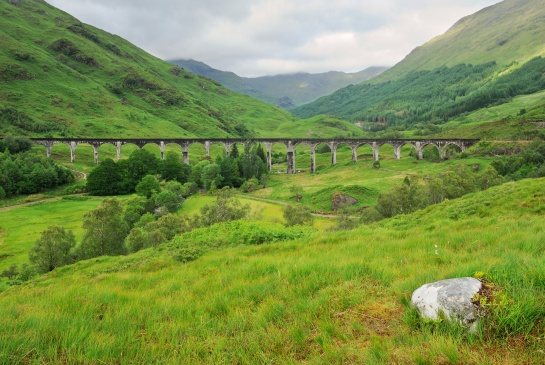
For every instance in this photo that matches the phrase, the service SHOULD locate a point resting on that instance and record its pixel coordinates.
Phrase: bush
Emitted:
(297, 215)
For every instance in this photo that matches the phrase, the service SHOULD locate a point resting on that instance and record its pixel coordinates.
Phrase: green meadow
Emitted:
(333, 298)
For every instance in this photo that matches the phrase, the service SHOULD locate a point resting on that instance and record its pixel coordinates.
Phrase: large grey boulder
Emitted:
(339, 201)
(453, 298)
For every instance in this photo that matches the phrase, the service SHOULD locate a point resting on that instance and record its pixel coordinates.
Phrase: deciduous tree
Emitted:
(52, 249)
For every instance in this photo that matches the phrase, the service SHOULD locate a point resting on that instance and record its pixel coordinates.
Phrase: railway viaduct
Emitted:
(268, 143)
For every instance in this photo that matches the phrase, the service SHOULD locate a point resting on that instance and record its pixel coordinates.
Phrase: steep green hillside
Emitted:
(446, 78)
(510, 31)
(329, 298)
(60, 77)
(285, 91)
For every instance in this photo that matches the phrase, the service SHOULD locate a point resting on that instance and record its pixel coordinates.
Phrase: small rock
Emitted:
(452, 297)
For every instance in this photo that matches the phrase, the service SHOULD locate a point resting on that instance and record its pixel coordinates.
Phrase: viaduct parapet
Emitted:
(268, 143)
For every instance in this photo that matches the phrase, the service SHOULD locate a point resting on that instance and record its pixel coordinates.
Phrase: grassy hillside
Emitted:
(285, 91)
(452, 75)
(326, 299)
(507, 32)
(60, 77)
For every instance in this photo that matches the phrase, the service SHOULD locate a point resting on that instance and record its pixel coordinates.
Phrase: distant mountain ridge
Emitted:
(285, 91)
(485, 59)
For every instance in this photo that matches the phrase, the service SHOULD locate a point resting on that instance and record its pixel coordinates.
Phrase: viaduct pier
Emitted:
(268, 143)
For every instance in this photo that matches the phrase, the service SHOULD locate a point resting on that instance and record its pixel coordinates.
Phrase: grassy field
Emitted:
(333, 298)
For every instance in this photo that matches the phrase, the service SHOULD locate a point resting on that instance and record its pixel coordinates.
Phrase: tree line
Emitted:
(233, 170)
(23, 172)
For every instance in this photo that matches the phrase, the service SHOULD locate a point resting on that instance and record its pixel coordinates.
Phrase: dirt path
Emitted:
(5, 209)
(332, 216)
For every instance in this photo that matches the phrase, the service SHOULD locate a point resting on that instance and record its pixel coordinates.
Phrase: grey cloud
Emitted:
(258, 37)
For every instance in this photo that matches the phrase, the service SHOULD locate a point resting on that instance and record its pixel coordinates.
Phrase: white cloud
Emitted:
(261, 37)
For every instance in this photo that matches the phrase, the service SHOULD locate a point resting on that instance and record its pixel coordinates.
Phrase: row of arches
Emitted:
(308, 154)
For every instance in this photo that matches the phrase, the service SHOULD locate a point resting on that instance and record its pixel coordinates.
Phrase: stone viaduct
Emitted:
(289, 143)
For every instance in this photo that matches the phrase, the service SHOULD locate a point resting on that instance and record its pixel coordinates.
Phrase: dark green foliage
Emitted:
(173, 169)
(28, 173)
(11, 273)
(417, 193)
(152, 233)
(17, 120)
(250, 185)
(148, 186)
(430, 96)
(211, 177)
(113, 178)
(105, 231)
(529, 162)
(15, 144)
(226, 208)
(139, 164)
(297, 215)
(105, 179)
(167, 202)
(67, 48)
(52, 249)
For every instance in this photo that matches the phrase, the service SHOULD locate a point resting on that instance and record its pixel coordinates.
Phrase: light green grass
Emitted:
(21, 227)
(330, 300)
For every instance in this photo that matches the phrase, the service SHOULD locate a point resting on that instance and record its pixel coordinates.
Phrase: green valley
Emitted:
(205, 254)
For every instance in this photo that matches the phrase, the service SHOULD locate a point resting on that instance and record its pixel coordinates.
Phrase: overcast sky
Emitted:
(269, 37)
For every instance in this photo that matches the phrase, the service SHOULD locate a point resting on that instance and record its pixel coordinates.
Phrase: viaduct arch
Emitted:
(290, 143)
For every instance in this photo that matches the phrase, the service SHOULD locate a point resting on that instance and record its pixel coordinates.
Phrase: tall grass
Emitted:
(338, 298)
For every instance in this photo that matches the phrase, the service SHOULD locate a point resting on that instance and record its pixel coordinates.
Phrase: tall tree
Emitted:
(52, 249)
(105, 230)
(105, 179)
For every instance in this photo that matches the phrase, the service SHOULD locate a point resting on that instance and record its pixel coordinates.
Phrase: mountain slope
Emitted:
(286, 91)
(510, 31)
(454, 74)
(60, 77)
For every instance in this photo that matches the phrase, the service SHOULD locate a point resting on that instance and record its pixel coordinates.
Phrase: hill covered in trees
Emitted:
(484, 60)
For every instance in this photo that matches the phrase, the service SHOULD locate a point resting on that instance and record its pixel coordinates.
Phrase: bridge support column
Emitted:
(73, 146)
(185, 154)
(397, 152)
(333, 148)
(268, 146)
(118, 148)
(162, 148)
(312, 159)
(354, 154)
(48, 146)
(207, 148)
(227, 148)
(95, 148)
(291, 160)
(442, 152)
(376, 148)
(419, 151)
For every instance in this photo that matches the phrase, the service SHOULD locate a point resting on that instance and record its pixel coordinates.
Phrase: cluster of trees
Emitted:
(419, 192)
(234, 170)
(28, 173)
(117, 228)
(528, 163)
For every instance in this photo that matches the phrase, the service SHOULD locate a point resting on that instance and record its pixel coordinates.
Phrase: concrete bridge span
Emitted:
(268, 143)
